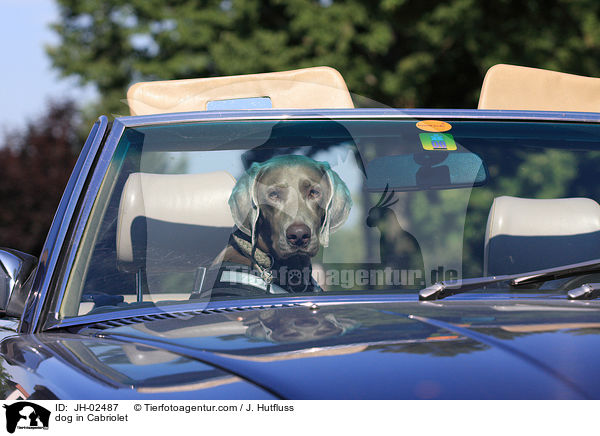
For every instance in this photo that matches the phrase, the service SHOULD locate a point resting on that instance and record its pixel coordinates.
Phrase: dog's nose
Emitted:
(298, 234)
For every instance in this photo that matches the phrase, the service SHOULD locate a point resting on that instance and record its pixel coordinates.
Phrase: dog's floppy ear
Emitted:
(338, 207)
(242, 201)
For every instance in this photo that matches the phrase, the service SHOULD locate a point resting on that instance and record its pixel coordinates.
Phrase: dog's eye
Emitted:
(314, 193)
(273, 195)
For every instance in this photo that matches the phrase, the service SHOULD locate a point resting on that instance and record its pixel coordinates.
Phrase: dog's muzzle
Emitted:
(298, 235)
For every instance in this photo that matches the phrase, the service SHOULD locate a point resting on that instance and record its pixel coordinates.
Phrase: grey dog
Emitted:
(284, 209)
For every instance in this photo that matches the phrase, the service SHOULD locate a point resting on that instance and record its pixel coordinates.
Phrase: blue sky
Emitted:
(28, 81)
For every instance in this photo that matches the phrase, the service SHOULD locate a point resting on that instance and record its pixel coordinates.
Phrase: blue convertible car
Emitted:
(259, 237)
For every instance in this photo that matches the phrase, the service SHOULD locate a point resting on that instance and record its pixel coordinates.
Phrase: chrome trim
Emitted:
(350, 114)
(18, 267)
(82, 217)
(9, 324)
(12, 265)
(586, 291)
(58, 230)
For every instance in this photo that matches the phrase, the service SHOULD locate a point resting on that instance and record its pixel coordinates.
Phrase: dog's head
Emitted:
(294, 202)
(297, 326)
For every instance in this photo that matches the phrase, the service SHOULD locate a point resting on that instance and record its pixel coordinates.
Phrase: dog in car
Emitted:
(284, 209)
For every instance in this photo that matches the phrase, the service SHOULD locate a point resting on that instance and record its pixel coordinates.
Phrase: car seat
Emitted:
(172, 222)
(530, 234)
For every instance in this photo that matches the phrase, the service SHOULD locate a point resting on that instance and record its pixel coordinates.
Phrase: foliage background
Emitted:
(401, 53)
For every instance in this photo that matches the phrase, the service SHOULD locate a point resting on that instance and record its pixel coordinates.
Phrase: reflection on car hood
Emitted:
(513, 348)
(454, 349)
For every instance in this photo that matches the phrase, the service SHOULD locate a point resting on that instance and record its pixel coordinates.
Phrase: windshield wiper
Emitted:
(445, 289)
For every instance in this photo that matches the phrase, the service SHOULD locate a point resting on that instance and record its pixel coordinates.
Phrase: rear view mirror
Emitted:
(15, 268)
(426, 170)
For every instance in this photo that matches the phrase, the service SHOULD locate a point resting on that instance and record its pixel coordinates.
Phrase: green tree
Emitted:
(403, 53)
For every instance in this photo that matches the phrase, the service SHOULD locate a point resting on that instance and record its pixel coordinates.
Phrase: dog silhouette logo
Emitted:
(26, 415)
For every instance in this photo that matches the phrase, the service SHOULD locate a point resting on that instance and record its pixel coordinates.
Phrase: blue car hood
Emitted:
(514, 348)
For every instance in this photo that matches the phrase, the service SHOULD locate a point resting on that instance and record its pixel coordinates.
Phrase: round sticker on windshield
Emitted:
(434, 126)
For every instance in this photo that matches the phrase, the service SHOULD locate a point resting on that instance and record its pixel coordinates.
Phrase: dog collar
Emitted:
(262, 260)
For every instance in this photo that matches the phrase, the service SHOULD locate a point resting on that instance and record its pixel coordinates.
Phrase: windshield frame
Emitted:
(52, 294)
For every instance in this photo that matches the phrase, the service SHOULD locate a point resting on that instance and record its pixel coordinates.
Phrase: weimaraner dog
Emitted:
(284, 209)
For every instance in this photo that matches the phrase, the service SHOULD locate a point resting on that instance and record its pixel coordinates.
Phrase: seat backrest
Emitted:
(308, 88)
(512, 87)
(173, 219)
(530, 234)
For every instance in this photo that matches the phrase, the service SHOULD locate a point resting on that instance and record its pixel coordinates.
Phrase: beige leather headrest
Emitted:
(197, 199)
(308, 88)
(512, 87)
(525, 234)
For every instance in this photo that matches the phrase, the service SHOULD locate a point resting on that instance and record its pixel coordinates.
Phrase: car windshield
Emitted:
(211, 210)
